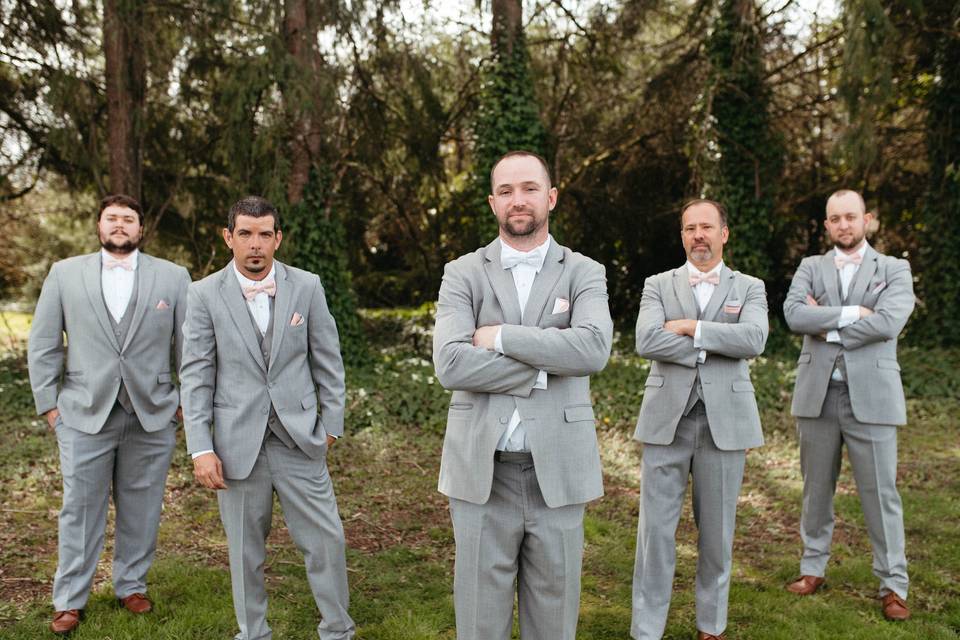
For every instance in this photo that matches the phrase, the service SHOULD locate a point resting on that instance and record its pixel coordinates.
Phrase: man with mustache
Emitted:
(699, 325)
(521, 325)
(850, 305)
(261, 356)
(111, 400)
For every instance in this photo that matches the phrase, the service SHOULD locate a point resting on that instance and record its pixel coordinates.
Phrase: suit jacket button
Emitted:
(504, 420)
(266, 411)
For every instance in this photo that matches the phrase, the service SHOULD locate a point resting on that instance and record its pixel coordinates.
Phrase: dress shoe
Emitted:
(65, 621)
(136, 603)
(805, 585)
(703, 635)
(894, 607)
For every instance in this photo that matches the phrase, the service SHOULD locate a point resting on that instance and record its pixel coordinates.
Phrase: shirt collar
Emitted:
(862, 250)
(132, 257)
(540, 252)
(247, 282)
(694, 271)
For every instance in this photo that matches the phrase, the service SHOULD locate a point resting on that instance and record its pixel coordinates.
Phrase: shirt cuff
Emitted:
(848, 315)
(541, 380)
(696, 336)
(200, 453)
(833, 336)
(498, 341)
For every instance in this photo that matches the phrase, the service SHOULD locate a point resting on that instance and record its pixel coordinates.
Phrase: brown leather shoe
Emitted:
(65, 621)
(703, 635)
(136, 603)
(894, 607)
(805, 585)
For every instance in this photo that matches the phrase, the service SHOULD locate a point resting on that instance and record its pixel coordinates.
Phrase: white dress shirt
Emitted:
(702, 292)
(260, 305)
(848, 313)
(514, 438)
(117, 283)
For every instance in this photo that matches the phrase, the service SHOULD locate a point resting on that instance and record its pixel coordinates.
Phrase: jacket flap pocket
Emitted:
(742, 385)
(164, 378)
(888, 363)
(461, 406)
(653, 380)
(578, 413)
(309, 400)
(804, 358)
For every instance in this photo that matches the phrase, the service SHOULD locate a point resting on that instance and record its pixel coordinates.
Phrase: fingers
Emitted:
(208, 470)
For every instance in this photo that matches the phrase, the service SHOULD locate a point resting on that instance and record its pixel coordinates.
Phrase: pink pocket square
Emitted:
(732, 308)
(880, 287)
(162, 305)
(296, 320)
(561, 305)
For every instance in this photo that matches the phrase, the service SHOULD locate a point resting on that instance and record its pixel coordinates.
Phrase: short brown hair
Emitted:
(716, 205)
(520, 153)
(120, 200)
(842, 192)
(255, 207)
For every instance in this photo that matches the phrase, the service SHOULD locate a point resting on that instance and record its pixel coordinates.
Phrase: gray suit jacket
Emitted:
(487, 386)
(71, 301)
(734, 328)
(883, 284)
(227, 387)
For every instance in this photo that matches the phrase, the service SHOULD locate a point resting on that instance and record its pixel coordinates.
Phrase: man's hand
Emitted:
(681, 327)
(208, 471)
(180, 415)
(864, 312)
(330, 441)
(485, 337)
(51, 417)
(812, 301)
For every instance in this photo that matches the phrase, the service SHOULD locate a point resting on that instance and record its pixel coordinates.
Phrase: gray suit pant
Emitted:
(516, 538)
(309, 505)
(135, 462)
(873, 457)
(717, 476)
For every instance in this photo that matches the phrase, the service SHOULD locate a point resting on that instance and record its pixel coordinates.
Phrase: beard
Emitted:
(519, 228)
(121, 248)
(853, 242)
(701, 254)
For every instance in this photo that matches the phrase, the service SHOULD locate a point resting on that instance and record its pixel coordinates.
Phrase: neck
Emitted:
(705, 267)
(116, 255)
(525, 243)
(260, 275)
(852, 250)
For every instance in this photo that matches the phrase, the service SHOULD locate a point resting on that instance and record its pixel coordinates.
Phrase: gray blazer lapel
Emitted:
(91, 282)
(684, 293)
(831, 279)
(232, 296)
(543, 285)
(147, 278)
(720, 293)
(281, 307)
(501, 281)
(862, 278)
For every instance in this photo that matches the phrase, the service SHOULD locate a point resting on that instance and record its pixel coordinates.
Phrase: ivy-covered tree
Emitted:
(745, 175)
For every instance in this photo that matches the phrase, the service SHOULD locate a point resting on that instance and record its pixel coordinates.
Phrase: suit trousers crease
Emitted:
(305, 491)
(129, 463)
(717, 476)
(515, 543)
(872, 449)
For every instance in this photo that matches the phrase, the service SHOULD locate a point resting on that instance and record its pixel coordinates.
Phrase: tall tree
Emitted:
(126, 83)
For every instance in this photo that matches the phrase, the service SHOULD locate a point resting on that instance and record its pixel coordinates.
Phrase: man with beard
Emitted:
(261, 355)
(850, 305)
(521, 325)
(699, 325)
(110, 398)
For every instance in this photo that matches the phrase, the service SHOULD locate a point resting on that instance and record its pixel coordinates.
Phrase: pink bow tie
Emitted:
(697, 278)
(112, 263)
(269, 287)
(843, 259)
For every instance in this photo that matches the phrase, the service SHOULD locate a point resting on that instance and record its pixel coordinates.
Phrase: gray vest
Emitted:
(266, 343)
(696, 393)
(120, 330)
(841, 364)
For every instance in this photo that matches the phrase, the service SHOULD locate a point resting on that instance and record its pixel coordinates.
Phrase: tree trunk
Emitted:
(507, 25)
(300, 27)
(126, 88)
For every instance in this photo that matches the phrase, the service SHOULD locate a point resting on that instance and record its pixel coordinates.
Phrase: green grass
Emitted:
(401, 544)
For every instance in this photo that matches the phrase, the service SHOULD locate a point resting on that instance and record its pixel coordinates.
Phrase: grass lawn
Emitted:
(401, 543)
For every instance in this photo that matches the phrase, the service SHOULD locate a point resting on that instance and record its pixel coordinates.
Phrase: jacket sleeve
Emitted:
(45, 353)
(198, 372)
(803, 318)
(892, 311)
(653, 341)
(326, 362)
(743, 339)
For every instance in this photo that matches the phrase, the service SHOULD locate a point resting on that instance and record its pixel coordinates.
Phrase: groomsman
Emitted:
(850, 304)
(698, 324)
(111, 400)
(261, 358)
(521, 325)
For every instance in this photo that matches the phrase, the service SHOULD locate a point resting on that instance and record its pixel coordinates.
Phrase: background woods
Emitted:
(373, 125)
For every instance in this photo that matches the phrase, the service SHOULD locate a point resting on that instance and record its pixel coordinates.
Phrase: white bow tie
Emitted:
(530, 258)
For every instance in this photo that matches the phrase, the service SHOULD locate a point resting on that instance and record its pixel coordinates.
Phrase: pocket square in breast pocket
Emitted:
(561, 305)
(162, 305)
(296, 320)
(880, 287)
(733, 307)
